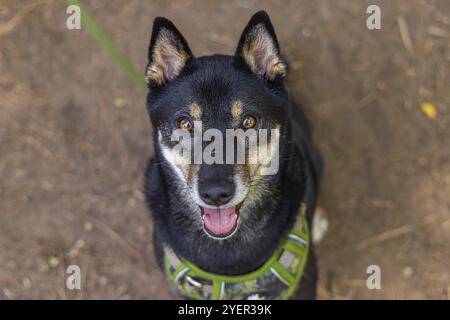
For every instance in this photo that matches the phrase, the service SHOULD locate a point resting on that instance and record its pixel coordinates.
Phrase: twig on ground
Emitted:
(404, 33)
(12, 23)
(393, 233)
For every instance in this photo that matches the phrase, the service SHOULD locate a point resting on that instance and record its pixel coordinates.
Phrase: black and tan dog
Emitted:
(220, 230)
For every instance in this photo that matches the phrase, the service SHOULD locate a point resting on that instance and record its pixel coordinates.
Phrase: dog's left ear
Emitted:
(168, 53)
(258, 48)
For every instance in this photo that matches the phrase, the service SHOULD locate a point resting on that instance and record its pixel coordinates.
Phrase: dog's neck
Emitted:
(255, 241)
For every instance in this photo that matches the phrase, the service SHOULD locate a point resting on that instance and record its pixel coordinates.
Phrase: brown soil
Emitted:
(75, 138)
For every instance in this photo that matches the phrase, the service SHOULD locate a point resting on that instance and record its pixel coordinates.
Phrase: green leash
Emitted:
(106, 43)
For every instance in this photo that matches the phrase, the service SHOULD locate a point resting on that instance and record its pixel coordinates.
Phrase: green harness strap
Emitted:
(278, 278)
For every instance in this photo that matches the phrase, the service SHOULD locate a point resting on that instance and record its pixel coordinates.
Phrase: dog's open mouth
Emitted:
(220, 223)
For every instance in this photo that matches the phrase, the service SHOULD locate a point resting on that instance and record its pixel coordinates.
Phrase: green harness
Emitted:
(278, 278)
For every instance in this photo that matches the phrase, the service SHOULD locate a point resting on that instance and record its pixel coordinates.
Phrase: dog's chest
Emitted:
(278, 278)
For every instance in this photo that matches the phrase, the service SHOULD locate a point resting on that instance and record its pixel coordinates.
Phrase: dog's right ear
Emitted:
(168, 53)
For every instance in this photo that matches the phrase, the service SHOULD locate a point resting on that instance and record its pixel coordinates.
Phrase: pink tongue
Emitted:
(220, 221)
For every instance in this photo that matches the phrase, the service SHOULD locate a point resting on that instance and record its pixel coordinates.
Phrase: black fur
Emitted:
(215, 82)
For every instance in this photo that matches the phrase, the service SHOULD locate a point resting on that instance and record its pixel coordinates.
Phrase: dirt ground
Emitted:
(75, 138)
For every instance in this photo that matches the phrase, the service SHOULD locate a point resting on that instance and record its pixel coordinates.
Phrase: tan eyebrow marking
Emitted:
(196, 111)
(237, 109)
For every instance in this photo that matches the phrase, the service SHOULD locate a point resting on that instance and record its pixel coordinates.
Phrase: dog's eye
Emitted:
(185, 124)
(248, 122)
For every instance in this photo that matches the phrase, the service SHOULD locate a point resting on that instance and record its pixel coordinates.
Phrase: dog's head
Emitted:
(203, 106)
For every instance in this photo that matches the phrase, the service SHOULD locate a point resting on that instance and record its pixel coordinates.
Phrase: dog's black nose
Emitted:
(216, 194)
